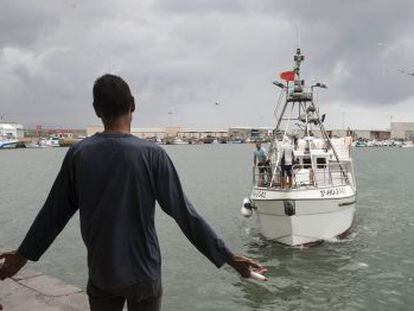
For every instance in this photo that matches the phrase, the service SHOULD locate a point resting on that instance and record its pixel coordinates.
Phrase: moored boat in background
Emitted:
(8, 143)
(408, 144)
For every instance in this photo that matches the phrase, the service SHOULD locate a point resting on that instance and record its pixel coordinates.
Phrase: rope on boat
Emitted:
(279, 100)
(284, 134)
(288, 122)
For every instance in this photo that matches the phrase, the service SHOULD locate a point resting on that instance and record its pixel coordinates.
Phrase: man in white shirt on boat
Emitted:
(285, 159)
(260, 160)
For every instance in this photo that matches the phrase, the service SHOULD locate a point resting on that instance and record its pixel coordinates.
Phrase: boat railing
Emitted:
(324, 176)
(262, 176)
(331, 177)
(303, 176)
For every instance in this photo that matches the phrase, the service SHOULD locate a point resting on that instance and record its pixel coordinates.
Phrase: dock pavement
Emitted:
(34, 291)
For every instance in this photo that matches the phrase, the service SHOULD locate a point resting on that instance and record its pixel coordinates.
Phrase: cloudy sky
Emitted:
(182, 56)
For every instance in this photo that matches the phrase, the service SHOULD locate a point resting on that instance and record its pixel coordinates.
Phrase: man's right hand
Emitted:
(244, 266)
(13, 262)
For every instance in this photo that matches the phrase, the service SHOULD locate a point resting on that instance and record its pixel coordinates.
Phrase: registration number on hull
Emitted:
(332, 192)
(259, 194)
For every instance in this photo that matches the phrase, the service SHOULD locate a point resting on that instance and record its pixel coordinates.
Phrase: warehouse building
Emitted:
(200, 133)
(252, 133)
(11, 130)
(356, 134)
(169, 132)
(402, 130)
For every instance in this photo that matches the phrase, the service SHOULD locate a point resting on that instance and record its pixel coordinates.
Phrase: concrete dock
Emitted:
(30, 290)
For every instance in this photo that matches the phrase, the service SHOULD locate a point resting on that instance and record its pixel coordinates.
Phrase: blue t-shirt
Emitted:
(114, 180)
(260, 155)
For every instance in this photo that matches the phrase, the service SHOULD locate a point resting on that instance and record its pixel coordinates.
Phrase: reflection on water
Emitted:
(372, 269)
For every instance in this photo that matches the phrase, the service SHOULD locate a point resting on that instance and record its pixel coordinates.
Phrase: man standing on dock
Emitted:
(114, 179)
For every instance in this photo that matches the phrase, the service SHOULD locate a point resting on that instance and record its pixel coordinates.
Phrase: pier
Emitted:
(31, 290)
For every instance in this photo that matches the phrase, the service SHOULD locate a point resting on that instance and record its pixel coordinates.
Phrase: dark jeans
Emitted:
(145, 296)
(286, 170)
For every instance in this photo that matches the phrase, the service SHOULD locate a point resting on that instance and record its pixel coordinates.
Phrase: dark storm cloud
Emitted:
(370, 39)
(23, 22)
(182, 56)
(203, 6)
(363, 43)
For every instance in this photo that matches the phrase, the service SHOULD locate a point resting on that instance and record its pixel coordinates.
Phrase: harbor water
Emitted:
(372, 269)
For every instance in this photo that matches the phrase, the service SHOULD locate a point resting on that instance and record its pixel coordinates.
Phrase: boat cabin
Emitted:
(316, 166)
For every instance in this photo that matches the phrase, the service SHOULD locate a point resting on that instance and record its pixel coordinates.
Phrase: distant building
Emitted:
(252, 133)
(169, 132)
(244, 133)
(172, 132)
(149, 132)
(40, 131)
(357, 134)
(402, 130)
(11, 130)
(200, 133)
(61, 135)
(380, 135)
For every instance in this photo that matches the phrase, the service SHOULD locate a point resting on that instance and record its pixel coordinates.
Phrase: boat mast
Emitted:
(298, 58)
(307, 112)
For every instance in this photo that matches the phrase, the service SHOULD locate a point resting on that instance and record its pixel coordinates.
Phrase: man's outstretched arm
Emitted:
(173, 201)
(59, 207)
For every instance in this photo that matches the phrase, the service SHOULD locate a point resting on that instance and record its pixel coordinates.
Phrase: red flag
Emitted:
(288, 75)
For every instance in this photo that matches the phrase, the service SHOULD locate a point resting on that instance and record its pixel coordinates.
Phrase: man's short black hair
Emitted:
(111, 97)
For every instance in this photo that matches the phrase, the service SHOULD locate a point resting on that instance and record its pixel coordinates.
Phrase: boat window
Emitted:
(320, 162)
(307, 163)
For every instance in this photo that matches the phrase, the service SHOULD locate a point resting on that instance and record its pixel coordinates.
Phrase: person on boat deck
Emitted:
(295, 142)
(114, 179)
(286, 159)
(261, 161)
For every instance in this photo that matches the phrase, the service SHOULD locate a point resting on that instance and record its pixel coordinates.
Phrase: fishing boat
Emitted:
(178, 141)
(361, 144)
(408, 144)
(235, 141)
(320, 204)
(50, 142)
(8, 143)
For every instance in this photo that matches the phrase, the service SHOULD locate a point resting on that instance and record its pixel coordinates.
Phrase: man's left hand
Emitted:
(12, 264)
(244, 266)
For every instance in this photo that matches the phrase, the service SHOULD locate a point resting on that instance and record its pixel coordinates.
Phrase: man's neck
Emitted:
(121, 125)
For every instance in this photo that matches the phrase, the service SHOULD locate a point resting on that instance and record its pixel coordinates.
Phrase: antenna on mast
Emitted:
(298, 59)
(297, 35)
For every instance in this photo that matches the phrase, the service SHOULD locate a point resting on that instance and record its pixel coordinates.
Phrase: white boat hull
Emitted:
(8, 144)
(299, 217)
(179, 141)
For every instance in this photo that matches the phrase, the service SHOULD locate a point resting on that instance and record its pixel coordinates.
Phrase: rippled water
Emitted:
(373, 269)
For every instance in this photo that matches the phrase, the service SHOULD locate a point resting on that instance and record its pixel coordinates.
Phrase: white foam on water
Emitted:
(354, 266)
(349, 238)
